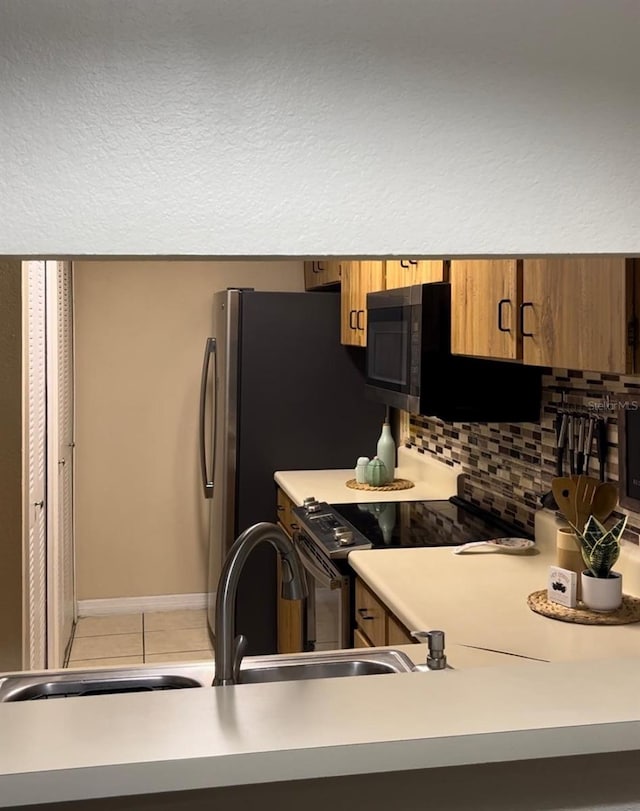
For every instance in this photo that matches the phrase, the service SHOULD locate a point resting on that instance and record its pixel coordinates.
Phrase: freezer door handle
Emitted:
(209, 350)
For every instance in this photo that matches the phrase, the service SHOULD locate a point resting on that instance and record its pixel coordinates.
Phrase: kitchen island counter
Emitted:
(260, 733)
(255, 734)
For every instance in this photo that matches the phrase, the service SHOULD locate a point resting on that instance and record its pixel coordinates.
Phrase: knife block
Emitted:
(568, 554)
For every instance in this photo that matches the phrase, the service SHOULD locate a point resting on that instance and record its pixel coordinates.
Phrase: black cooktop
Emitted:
(425, 523)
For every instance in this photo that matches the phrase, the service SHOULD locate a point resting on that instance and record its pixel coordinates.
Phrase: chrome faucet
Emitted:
(229, 651)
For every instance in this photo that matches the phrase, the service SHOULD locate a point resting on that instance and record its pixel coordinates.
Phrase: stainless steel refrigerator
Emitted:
(283, 394)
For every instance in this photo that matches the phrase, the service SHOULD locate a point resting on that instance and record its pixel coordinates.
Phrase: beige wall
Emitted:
(141, 519)
(10, 466)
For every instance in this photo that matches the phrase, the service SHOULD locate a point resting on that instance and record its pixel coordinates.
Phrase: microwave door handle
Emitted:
(209, 350)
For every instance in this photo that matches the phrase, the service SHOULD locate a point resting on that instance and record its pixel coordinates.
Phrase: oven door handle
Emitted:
(325, 580)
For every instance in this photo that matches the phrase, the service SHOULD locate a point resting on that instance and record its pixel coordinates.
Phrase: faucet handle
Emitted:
(239, 650)
(436, 659)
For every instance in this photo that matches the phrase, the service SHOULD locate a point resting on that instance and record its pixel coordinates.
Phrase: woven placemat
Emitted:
(396, 484)
(628, 612)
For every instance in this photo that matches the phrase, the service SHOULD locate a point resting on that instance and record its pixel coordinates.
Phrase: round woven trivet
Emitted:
(396, 484)
(628, 612)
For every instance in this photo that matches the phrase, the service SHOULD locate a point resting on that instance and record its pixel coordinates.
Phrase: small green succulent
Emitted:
(600, 546)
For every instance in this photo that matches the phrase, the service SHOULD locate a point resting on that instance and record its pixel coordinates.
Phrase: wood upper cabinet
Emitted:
(358, 279)
(485, 302)
(405, 272)
(579, 313)
(322, 272)
(573, 313)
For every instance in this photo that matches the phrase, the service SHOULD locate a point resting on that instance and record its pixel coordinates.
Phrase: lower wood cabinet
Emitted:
(375, 624)
(370, 615)
(290, 612)
(397, 634)
(360, 640)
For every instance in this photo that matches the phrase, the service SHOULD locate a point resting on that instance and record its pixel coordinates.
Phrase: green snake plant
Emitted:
(600, 546)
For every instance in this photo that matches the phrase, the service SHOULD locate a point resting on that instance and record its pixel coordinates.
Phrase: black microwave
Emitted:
(409, 364)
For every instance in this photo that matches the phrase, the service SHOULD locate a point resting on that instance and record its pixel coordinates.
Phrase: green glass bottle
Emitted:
(387, 451)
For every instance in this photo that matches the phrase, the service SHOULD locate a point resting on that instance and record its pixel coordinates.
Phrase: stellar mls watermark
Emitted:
(612, 404)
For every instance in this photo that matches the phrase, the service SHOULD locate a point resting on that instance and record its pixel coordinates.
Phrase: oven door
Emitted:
(394, 327)
(327, 607)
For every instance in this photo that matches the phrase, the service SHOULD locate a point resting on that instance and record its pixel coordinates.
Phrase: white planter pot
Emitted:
(602, 594)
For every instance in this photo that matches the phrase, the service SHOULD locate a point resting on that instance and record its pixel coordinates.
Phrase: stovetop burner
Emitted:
(448, 522)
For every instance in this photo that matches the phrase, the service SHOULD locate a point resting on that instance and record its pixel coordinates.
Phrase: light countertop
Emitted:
(432, 479)
(128, 744)
(491, 707)
(480, 598)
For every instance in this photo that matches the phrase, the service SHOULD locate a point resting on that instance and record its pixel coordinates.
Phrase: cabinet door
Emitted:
(370, 615)
(290, 620)
(397, 634)
(322, 272)
(333, 273)
(290, 612)
(316, 274)
(349, 329)
(485, 301)
(576, 313)
(285, 513)
(360, 640)
(404, 272)
(358, 279)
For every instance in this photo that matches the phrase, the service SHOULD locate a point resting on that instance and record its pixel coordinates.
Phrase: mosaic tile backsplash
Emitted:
(509, 466)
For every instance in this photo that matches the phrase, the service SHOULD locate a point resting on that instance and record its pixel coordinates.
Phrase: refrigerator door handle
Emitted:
(209, 350)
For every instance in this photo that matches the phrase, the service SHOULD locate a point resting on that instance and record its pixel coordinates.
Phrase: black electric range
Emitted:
(327, 533)
(341, 528)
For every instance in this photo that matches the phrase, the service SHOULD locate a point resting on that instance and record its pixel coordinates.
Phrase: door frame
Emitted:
(34, 461)
(60, 620)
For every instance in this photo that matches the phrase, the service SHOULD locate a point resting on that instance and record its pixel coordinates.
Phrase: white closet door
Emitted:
(35, 459)
(60, 424)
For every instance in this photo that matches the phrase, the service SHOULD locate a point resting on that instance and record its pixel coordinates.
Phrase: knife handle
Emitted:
(602, 445)
(589, 444)
(562, 441)
(570, 438)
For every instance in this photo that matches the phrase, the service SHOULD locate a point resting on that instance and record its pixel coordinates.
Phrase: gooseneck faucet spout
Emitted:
(229, 651)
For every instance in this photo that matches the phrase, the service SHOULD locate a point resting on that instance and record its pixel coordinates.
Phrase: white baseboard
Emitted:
(136, 605)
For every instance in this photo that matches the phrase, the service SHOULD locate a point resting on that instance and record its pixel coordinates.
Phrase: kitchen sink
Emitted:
(324, 666)
(255, 669)
(65, 686)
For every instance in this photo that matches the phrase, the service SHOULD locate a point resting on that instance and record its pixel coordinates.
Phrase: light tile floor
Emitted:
(163, 636)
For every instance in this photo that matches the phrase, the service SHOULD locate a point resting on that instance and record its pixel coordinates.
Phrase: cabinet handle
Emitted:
(314, 268)
(413, 261)
(294, 526)
(340, 270)
(351, 319)
(500, 304)
(364, 615)
(320, 268)
(522, 308)
(404, 263)
(360, 313)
